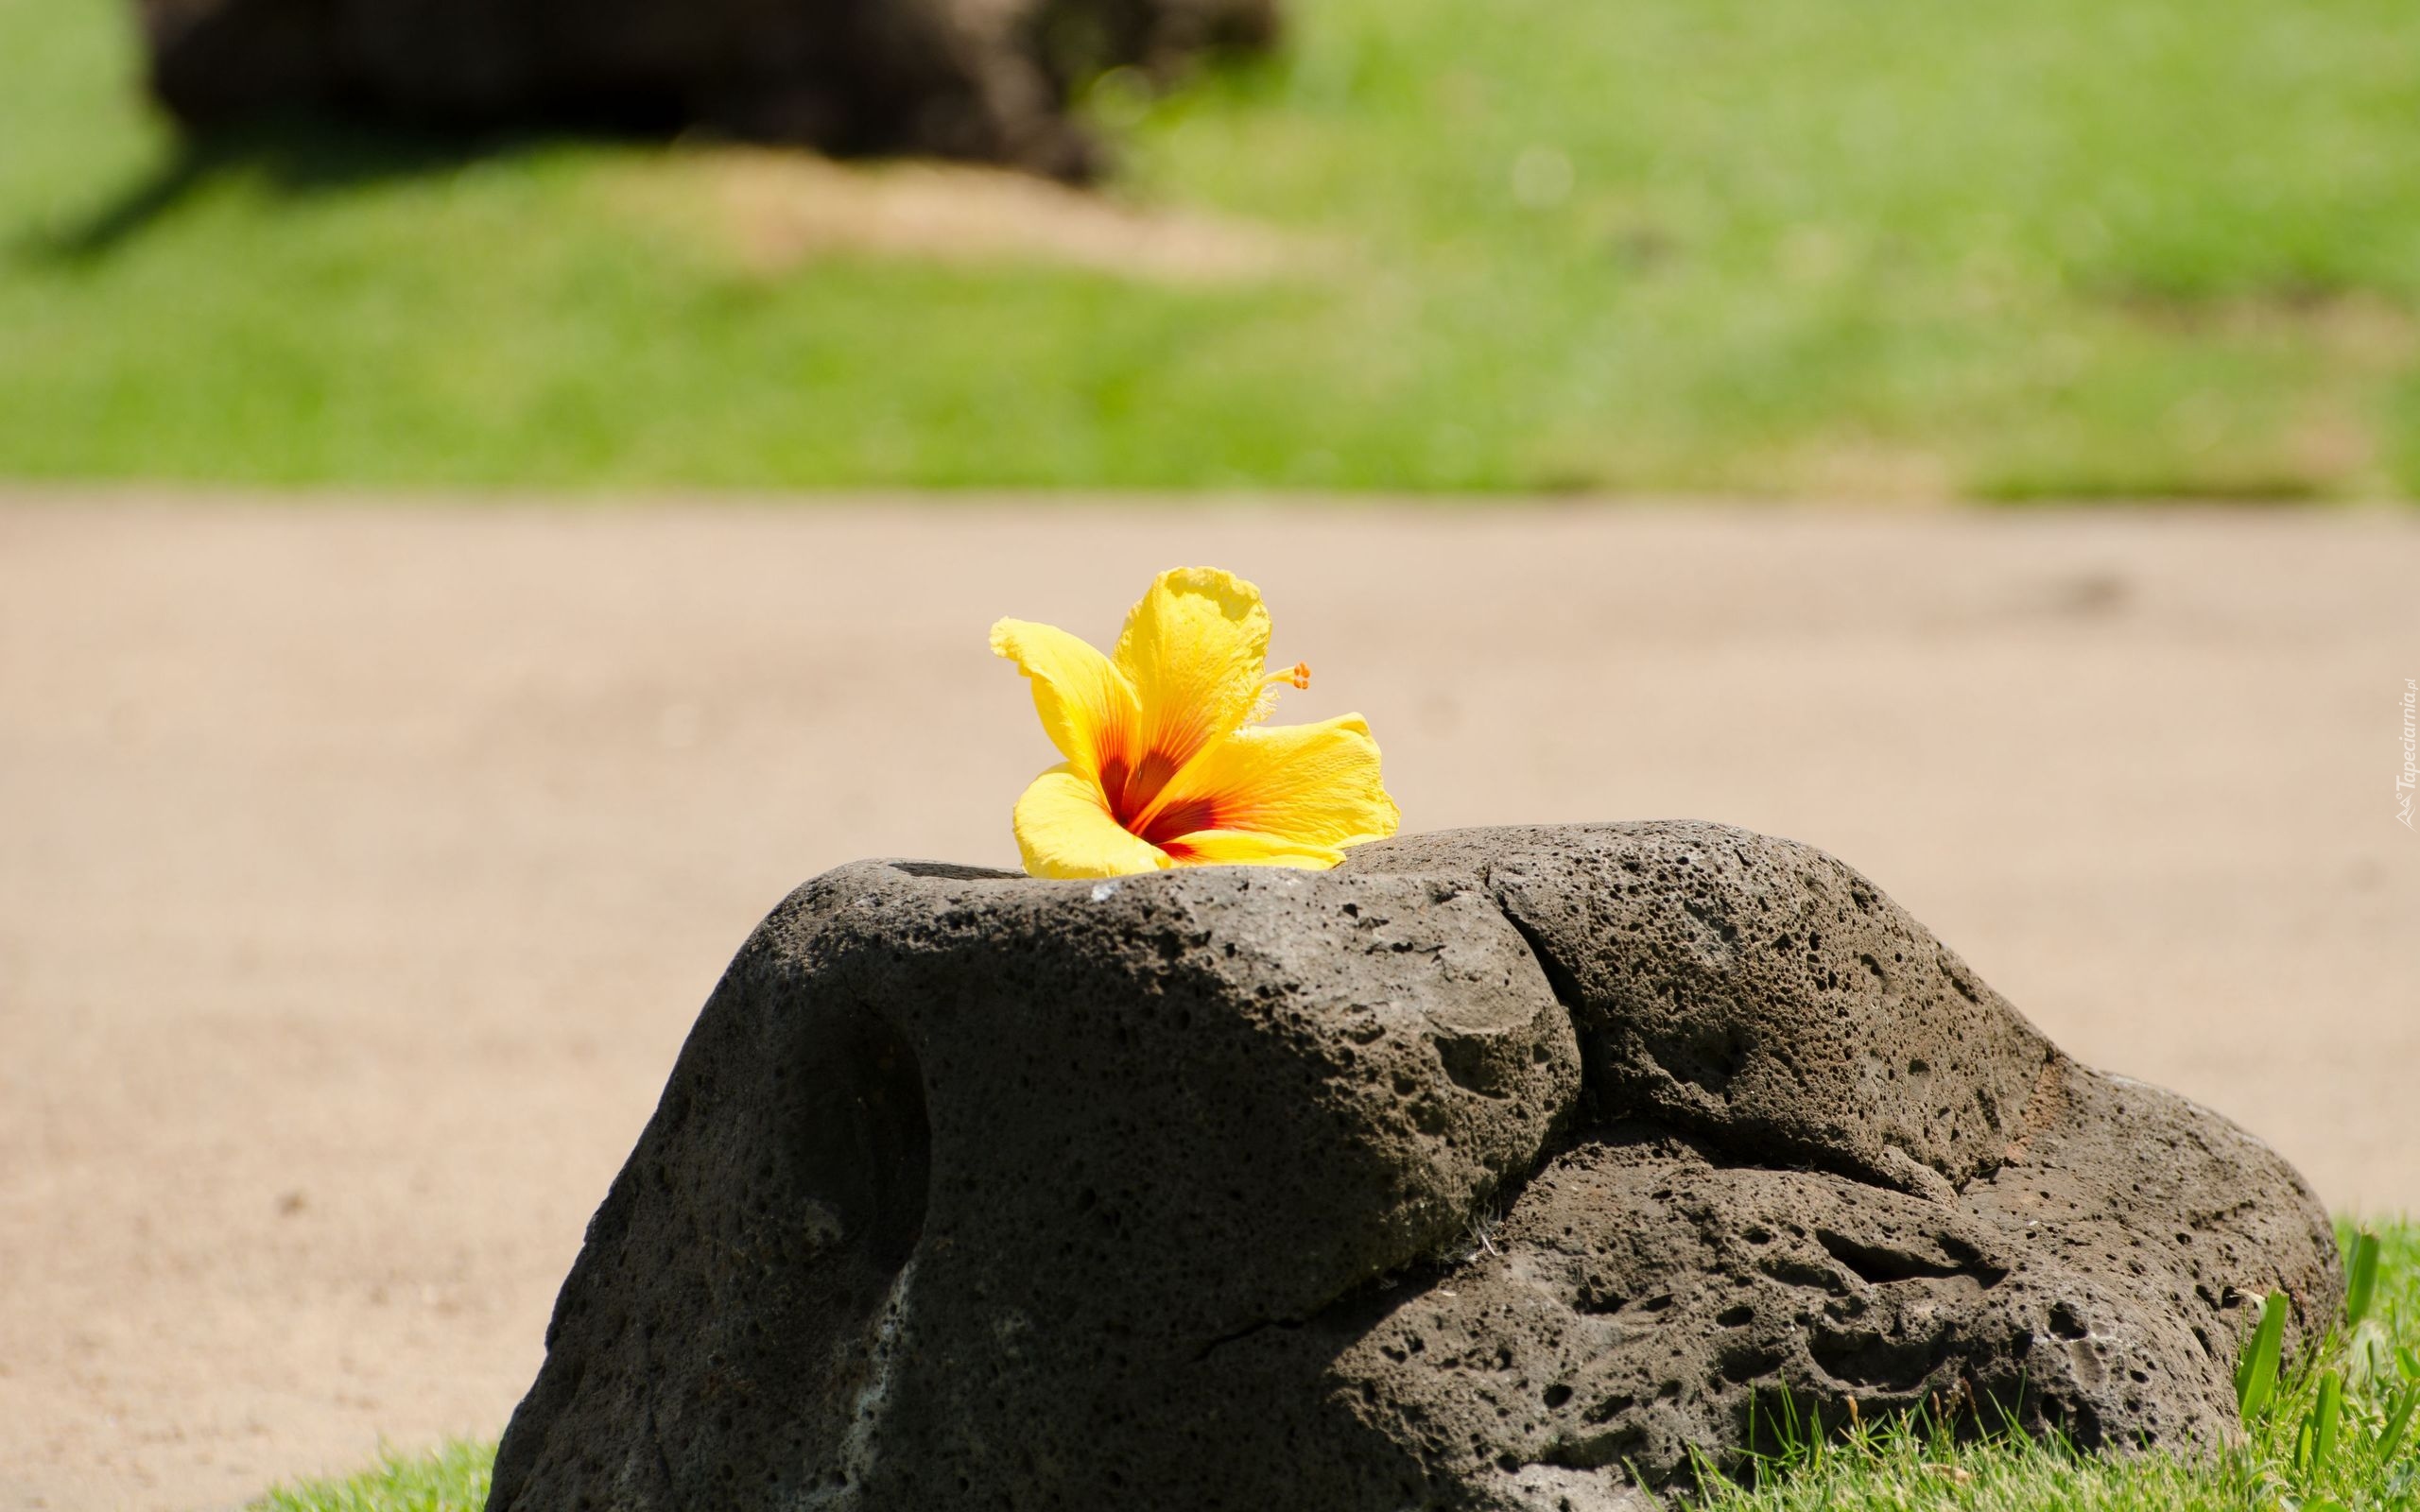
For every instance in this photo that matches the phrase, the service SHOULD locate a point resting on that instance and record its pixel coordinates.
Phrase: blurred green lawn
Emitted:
(2057, 247)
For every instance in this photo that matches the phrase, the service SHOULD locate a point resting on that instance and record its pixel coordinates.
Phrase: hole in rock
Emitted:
(944, 871)
(1470, 1067)
(1712, 1059)
(1596, 1451)
(1741, 1364)
(862, 1141)
(1863, 1358)
(1879, 1265)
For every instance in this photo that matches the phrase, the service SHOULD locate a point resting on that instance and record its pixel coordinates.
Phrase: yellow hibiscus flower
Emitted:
(1167, 764)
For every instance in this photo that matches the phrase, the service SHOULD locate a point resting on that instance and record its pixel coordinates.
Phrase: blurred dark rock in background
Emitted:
(987, 81)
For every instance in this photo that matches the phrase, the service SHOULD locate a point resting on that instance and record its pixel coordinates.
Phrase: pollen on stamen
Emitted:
(1297, 677)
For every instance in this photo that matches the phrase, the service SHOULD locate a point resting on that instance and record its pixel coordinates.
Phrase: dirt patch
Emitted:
(778, 211)
(2329, 442)
(2352, 325)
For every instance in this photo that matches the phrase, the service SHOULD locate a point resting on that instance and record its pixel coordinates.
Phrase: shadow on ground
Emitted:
(294, 155)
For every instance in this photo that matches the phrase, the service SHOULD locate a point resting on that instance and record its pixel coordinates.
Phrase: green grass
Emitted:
(2369, 1462)
(455, 1479)
(2057, 247)
(2300, 1451)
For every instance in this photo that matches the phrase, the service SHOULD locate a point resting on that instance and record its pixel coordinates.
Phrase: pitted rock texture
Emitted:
(1758, 991)
(1484, 1171)
(983, 80)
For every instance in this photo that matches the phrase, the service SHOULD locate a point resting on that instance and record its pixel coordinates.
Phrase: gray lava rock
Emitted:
(1488, 1171)
(984, 80)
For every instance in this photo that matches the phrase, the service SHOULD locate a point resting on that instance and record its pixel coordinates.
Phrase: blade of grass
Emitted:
(2362, 1285)
(2256, 1381)
(2391, 1436)
(2326, 1414)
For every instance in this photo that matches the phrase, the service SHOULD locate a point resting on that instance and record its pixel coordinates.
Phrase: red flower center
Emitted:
(1131, 790)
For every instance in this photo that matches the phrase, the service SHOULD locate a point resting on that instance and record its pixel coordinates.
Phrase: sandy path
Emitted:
(360, 869)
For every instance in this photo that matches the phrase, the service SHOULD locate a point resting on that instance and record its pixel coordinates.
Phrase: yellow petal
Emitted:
(1193, 650)
(1301, 792)
(1221, 848)
(1086, 704)
(1065, 829)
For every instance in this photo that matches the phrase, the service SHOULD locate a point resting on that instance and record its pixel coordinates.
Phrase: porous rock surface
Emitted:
(983, 80)
(1498, 1169)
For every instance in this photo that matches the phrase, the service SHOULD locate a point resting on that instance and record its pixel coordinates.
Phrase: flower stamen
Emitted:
(1297, 677)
